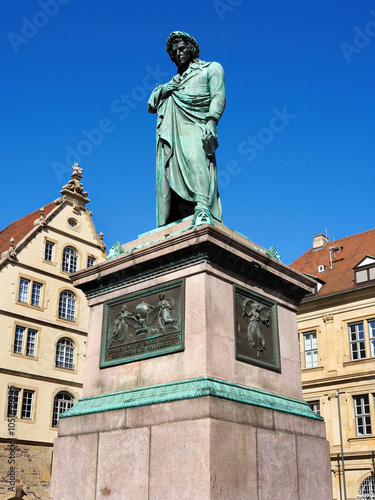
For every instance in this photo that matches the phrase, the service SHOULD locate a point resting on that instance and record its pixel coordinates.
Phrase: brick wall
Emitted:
(32, 468)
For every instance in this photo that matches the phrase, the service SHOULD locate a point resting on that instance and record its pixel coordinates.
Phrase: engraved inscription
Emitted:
(142, 325)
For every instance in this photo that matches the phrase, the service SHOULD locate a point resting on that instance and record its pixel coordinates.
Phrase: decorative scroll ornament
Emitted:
(40, 221)
(328, 318)
(273, 254)
(74, 187)
(115, 251)
(10, 254)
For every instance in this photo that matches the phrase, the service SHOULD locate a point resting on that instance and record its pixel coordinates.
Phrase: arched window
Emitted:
(367, 489)
(65, 354)
(61, 402)
(69, 260)
(67, 306)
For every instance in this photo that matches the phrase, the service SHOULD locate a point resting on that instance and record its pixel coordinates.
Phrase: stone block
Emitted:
(123, 465)
(94, 422)
(314, 468)
(277, 466)
(176, 411)
(74, 468)
(233, 461)
(299, 425)
(180, 461)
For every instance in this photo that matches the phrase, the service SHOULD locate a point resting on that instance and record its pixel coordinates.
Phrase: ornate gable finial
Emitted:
(103, 246)
(40, 221)
(10, 254)
(74, 188)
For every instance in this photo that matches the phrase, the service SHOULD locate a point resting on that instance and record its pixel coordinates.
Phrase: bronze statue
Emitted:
(189, 108)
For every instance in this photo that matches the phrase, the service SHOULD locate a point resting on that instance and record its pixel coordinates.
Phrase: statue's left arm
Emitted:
(217, 97)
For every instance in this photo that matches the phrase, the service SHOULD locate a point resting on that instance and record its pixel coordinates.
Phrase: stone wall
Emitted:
(32, 468)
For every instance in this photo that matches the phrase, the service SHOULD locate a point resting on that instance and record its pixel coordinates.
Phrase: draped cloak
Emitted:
(181, 162)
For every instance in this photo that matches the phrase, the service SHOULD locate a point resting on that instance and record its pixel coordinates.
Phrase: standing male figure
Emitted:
(189, 108)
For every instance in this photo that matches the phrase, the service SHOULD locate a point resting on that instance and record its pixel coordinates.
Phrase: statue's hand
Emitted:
(168, 88)
(210, 129)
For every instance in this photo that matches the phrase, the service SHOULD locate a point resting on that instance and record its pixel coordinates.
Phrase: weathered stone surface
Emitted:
(277, 466)
(123, 460)
(74, 468)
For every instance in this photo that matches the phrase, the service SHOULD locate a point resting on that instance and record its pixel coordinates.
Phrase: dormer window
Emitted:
(365, 270)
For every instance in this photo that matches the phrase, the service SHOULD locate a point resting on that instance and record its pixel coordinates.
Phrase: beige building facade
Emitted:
(44, 323)
(337, 343)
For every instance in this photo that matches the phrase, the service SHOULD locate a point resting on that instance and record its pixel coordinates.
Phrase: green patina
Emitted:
(189, 389)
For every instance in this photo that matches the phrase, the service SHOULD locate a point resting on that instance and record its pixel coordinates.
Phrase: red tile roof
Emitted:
(21, 227)
(341, 277)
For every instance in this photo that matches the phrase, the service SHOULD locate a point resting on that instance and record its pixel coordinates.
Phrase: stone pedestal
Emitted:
(192, 385)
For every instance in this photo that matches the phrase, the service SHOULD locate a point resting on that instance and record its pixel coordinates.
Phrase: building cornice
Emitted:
(339, 380)
(42, 378)
(51, 323)
(326, 301)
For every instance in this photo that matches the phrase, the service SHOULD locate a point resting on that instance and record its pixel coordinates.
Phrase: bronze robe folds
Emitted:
(182, 164)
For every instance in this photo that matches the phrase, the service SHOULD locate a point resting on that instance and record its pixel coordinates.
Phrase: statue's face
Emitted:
(181, 55)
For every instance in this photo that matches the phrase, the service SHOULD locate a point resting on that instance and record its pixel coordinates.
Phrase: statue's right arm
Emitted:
(155, 99)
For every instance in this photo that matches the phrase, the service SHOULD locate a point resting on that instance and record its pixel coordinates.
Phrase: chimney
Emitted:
(320, 240)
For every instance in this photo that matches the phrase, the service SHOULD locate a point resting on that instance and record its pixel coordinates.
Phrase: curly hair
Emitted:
(181, 36)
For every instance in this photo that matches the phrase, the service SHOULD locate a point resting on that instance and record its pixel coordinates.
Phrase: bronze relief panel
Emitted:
(143, 325)
(256, 329)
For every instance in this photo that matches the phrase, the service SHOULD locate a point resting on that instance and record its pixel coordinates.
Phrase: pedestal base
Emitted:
(220, 416)
(200, 448)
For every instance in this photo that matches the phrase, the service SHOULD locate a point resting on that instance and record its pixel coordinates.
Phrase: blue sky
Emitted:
(296, 153)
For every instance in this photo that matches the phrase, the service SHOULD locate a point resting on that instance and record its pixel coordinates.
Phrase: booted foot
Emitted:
(202, 216)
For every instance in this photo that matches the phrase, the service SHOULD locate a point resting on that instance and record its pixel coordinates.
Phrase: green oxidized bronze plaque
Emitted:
(143, 325)
(256, 327)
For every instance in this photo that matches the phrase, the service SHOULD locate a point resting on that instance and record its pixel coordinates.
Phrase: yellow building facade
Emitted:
(44, 323)
(337, 341)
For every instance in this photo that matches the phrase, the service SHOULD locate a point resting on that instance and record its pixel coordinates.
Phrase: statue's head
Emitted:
(181, 36)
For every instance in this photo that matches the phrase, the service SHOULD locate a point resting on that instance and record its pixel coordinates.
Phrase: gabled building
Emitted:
(337, 337)
(43, 328)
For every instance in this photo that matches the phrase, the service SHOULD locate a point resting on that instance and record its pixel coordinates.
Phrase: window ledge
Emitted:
(355, 361)
(361, 438)
(314, 369)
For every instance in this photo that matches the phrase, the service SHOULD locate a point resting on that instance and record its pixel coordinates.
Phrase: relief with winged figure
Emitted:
(143, 325)
(256, 327)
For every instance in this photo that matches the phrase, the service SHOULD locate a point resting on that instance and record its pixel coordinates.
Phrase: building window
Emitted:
(357, 341)
(315, 406)
(27, 404)
(13, 400)
(30, 292)
(90, 261)
(362, 415)
(67, 306)
(24, 341)
(371, 333)
(17, 410)
(48, 251)
(65, 354)
(311, 349)
(367, 489)
(72, 222)
(364, 275)
(61, 402)
(69, 260)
